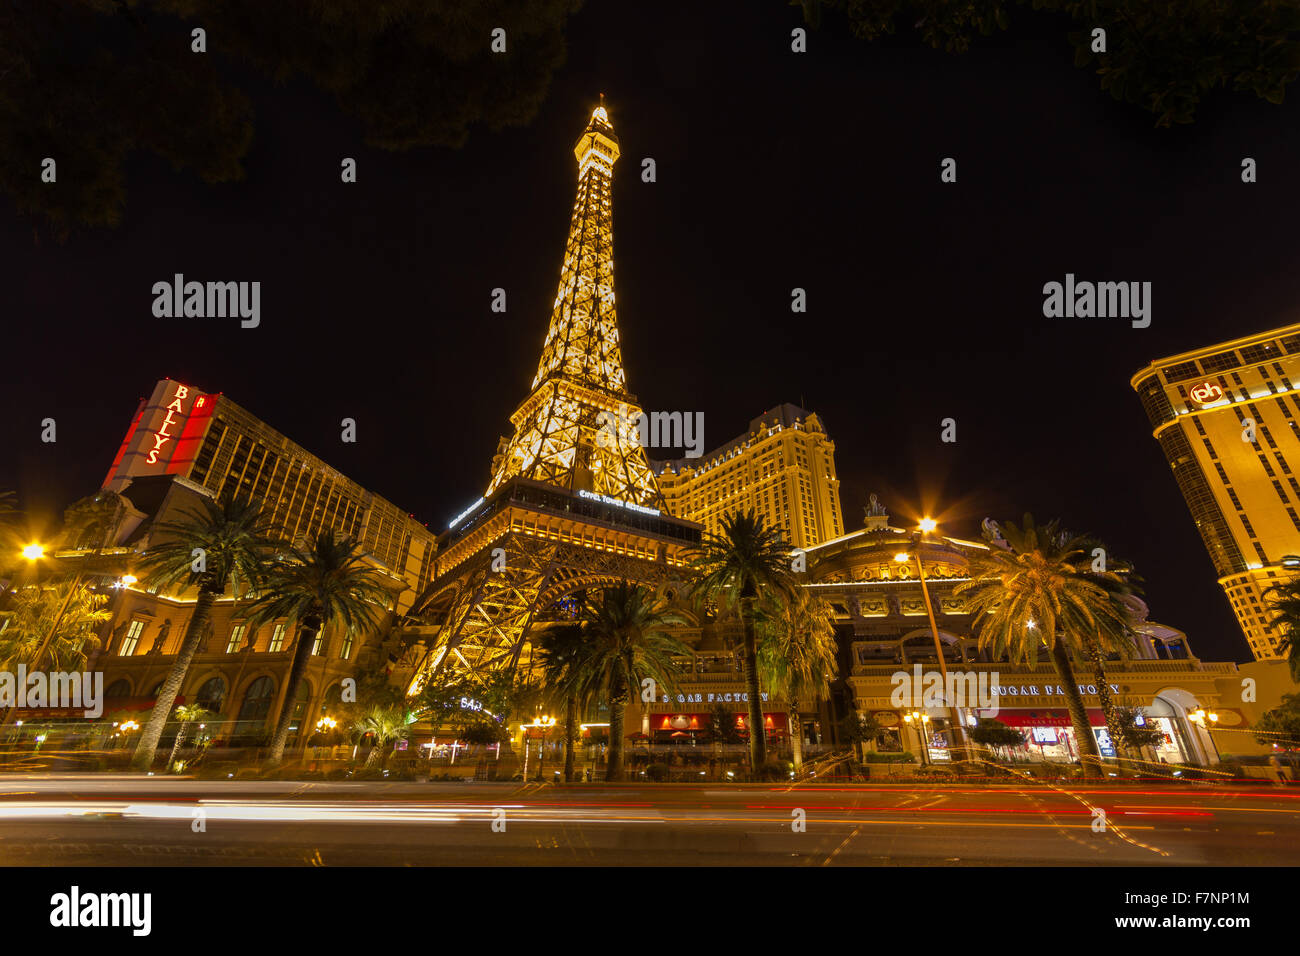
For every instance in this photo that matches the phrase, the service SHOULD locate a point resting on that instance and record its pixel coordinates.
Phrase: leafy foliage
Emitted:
(994, 733)
(1163, 56)
(1284, 600)
(94, 82)
(1281, 725)
(26, 625)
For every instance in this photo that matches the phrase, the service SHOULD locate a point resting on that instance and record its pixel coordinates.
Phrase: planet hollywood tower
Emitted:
(1227, 417)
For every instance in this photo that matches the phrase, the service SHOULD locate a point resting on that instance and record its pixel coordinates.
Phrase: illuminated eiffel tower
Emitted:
(572, 502)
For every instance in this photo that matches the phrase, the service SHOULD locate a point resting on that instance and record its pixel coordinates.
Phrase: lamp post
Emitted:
(958, 731)
(545, 723)
(33, 553)
(920, 718)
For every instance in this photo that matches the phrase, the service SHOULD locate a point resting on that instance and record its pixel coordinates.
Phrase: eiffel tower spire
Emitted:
(577, 427)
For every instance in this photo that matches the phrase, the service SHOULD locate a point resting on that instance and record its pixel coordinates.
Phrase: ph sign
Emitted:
(1206, 393)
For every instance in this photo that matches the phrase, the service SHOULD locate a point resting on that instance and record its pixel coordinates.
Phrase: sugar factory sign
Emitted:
(734, 698)
(1045, 690)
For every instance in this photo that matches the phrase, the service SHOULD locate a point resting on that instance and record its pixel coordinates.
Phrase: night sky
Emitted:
(775, 170)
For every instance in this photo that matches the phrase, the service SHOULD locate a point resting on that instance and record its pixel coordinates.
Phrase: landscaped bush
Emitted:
(657, 772)
(889, 757)
(775, 770)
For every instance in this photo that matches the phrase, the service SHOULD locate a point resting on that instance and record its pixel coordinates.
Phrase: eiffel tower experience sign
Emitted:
(572, 503)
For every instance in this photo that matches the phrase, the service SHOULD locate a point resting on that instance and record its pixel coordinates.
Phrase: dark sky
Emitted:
(774, 170)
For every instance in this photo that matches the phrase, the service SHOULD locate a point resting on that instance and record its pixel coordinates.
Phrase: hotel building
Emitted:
(184, 445)
(884, 630)
(1226, 417)
(783, 468)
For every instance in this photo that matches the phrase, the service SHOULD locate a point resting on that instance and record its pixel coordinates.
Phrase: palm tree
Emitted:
(797, 655)
(1037, 591)
(625, 644)
(26, 626)
(324, 583)
(216, 546)
(745, 559)
(1119, 580)
(187, 714)
(1284, 599)
(560, 654)
(387, 723)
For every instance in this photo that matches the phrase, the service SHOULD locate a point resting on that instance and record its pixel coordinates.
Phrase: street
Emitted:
(125, 820)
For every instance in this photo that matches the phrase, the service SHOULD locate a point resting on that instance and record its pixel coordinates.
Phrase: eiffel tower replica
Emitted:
(572, 503)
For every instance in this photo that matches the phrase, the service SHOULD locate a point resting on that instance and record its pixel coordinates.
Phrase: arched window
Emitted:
(212, 694)
(333, 699)
(257, 700)
(119, 688)
(156, 688)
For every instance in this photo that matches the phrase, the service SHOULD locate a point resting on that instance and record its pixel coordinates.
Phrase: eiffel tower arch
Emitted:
(572, 502)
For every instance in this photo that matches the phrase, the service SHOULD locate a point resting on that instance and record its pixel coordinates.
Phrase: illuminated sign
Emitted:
(1206, 393)
(163, 434)
(738, 698)
(607, 500)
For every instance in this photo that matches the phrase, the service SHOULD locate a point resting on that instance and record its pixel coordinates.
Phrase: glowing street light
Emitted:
(128, 580)
(33, 552)
(920, 718)
(958, 732)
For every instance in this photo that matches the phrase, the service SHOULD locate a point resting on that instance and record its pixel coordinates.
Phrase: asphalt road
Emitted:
(143, 821)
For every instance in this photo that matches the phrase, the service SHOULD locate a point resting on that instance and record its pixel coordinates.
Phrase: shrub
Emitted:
(878, 757)
(775, 770)
(657, 772)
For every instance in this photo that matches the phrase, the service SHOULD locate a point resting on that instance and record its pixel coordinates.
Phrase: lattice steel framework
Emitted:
(577, 427)
(575, 432)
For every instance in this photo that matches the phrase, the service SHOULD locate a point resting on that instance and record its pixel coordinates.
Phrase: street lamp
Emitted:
(34, 552)
(545, 723)
(920, 718)
(958, 732)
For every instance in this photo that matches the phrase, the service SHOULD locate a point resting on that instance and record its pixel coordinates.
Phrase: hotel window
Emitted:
(236, 638)
(131, 639)
(277, 639)
(345, 651)
(316, 646)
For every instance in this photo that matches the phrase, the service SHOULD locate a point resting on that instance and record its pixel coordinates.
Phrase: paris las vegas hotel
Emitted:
(183, 443)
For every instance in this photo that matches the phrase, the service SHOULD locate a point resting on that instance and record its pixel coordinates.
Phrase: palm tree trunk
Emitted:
(373, 758)
(146, 749)
(796, 738)
(306, 638)
(617, 708)
(757, 732)
(1089, 756)
(176, 747)
(1107, 702)
(570, 728)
